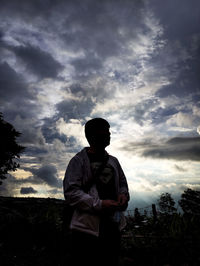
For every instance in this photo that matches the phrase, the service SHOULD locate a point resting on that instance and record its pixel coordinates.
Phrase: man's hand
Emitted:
(122, 202)
(110, 205)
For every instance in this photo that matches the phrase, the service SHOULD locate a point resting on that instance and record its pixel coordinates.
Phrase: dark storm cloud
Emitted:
(15, 96)
(181, 54)
(87, 64)
(47, 174)
(38, 152)
(12, 184)
(27, 190)
(179, 20)
(38, 62)
(160, 115)
(10, 83)
(74, 109)
(28, 9)
(50, 132)
(149, 110)
(31, 136)
(100, 30)
(187, 80)
(142, 111)
(95, 25)
(176, 148)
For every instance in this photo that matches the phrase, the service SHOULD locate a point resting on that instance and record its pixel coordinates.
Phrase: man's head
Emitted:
(97, 133)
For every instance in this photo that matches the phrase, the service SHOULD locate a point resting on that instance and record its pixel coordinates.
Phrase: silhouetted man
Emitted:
(96, 187)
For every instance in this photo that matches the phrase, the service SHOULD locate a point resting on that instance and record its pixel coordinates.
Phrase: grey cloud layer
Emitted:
(11, 82)
(96, 50)
(47, 174)
(26, 186)
(99, 30)
(181, 53)
(27, 190)
(179, 148)
(15, 96)
(38, 62)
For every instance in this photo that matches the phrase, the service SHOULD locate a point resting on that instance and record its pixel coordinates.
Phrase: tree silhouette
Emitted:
(190, 201)
(166, 203)
(10, 149)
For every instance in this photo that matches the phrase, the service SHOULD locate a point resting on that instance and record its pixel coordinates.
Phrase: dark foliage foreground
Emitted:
(32, 233)
(170, 240)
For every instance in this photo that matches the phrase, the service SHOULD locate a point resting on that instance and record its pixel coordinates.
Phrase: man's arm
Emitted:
(73, 189)
(123, 196)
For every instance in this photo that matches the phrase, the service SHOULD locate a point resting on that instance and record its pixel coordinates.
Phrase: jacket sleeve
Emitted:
(123, 185)
(73, 188)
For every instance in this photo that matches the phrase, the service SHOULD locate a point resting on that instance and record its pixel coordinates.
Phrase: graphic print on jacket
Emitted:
(105, 181)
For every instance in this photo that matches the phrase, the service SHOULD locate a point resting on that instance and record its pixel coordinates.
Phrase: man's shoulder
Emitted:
(80, 155)
(113, 158)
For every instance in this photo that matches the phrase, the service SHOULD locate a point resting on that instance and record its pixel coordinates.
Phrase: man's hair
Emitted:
(93, 125)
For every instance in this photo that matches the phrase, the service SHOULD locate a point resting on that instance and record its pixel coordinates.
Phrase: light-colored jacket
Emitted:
(88, 205)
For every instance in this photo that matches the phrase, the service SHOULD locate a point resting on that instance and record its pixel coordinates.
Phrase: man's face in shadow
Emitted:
(101, 138)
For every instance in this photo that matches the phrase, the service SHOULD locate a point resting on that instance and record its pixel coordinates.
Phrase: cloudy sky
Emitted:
(134, 62)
